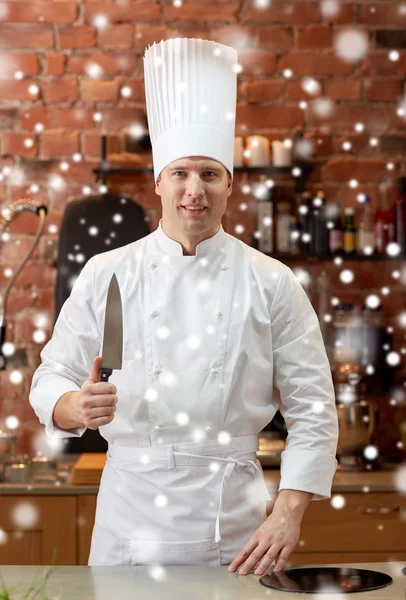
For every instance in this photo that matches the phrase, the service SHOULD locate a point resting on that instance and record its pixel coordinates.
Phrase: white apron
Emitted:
(184, 504)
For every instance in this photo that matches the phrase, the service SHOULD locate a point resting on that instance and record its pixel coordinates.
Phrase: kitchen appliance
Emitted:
(119, 221)
(356, 422)
(326, 580)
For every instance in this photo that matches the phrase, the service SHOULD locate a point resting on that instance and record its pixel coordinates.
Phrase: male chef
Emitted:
(217, 338)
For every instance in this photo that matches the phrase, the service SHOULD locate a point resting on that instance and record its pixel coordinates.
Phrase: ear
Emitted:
(157, 187)
(229, 187)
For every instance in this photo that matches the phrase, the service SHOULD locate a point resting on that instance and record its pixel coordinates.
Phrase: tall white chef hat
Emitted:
(191, 96)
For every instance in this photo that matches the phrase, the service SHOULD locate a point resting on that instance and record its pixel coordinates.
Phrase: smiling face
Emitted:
(193, 181)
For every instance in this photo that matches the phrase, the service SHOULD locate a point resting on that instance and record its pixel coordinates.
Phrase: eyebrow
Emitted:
(205, 168)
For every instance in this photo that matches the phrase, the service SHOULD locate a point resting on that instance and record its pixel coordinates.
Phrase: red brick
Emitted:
(275, 38)
(314, 63)
(43, 275)
(39, 11)
(137, 89)
(346, 116)
(344, 16)
(322, 144)
(237, 36)
(116, 36)
(379, 64)
(11, 89)
(26, 36)
(313, 37)
(60, 90)
(383, 90)
(344, 89)
(7, 118)
(91, 144)
(279, 12)
(11, 251)
(52, 118)
(116, 118)
(278, 116)
(257, 62)
(78, 36)
(54, 63)
(111, 64)
(211, 12)
(294, 91)
(388, 13)
(344, 169)
(98, 91)
(129, 12)
(59, 143)
(13, 143)
(10, 63)
(359, 143)
(261, 91)
(146, 34)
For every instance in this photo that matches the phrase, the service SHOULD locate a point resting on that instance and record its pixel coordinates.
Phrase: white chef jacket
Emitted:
(213, 344)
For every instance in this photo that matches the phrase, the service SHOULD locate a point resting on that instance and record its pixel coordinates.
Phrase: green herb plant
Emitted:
(36, 590)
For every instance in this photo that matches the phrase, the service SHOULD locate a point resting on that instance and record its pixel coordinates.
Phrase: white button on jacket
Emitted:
(225, 337)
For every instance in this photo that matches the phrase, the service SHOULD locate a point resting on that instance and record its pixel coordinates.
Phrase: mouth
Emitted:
(194, 212)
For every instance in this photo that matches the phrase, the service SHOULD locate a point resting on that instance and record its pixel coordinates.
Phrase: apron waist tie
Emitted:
(263, 493)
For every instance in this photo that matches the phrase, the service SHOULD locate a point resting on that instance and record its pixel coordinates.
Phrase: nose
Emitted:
(194, 186)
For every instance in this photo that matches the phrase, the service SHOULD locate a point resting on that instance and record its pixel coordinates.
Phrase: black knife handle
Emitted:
(105, 374)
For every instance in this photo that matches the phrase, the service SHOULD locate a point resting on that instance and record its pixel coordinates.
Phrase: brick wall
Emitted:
(53, 44)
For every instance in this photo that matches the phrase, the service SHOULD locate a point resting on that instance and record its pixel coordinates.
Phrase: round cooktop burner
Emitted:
(325, 580)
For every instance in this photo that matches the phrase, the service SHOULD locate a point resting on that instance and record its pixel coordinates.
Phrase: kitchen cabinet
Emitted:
(369, 527)
(35, 526)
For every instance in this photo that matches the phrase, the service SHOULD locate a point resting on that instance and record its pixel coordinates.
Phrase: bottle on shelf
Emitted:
(349, 232)
(318, 225)
(365, 233)
(304, 219)
(283, 220)
(384, 231)
(400, 215)
(294, 238)
(265, 217)
(336, 229)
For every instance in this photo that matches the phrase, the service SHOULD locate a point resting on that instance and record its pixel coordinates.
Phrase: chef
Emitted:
(217, 338)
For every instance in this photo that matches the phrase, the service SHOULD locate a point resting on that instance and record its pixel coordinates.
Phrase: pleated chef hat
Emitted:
(191, 96)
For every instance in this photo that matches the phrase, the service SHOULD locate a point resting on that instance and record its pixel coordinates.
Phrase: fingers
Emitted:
(242, 556)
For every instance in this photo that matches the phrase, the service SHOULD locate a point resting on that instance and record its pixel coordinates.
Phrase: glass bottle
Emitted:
(304, 218)
(265, 215)
(349, 232)
(365, 233)
(319, 233)
(384, 228)
(336, 231)
(282, 226)
(400, 215)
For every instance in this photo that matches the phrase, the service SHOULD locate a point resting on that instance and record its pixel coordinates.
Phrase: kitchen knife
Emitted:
(112, 351)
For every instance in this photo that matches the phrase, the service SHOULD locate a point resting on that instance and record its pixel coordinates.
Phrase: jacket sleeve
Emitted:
(302, 374)
(68, 356)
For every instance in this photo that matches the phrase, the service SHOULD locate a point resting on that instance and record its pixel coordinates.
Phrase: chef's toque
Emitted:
(191, 97)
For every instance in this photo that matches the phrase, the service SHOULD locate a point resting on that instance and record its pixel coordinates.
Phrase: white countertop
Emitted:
(181, 583)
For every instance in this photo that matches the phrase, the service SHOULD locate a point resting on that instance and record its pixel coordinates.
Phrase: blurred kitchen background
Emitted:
(319, 183)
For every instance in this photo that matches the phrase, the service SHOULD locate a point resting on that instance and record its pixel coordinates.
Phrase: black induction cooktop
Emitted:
(326, 580)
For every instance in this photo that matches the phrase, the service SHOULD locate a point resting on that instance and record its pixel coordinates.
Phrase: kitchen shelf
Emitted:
(105, 169)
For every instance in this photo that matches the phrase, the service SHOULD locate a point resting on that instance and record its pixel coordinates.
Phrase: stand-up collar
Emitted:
(174, 248)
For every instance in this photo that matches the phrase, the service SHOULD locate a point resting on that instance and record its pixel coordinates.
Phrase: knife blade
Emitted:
(112, 350)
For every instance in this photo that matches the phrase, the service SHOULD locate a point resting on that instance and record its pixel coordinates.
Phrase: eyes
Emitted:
(205, 172)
